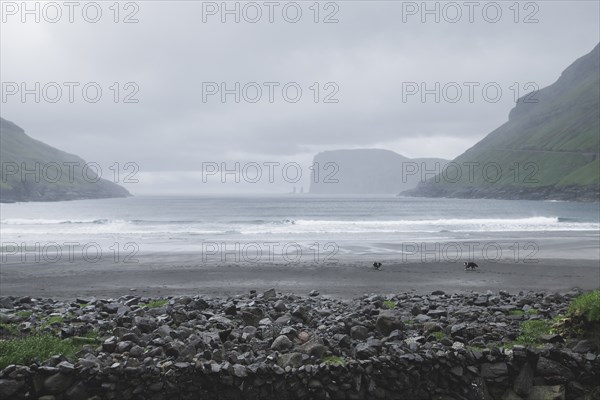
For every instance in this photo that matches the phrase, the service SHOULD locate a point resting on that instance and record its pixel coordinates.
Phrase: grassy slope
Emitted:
(559, 137)
(16, 147)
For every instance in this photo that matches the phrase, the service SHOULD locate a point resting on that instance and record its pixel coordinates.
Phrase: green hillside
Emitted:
(55, 175)
(546, 150)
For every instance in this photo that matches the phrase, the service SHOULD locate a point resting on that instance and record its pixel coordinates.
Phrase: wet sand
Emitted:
(177, 274)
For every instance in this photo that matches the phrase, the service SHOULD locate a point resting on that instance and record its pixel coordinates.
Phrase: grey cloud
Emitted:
(369, 54)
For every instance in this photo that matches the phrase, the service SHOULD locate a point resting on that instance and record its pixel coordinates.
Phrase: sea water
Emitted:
(412, 229)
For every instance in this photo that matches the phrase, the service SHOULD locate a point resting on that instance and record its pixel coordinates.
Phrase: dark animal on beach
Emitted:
(377, 265)
(470, 266)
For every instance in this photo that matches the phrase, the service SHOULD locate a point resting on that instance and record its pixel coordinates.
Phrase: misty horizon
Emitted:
(375, 88)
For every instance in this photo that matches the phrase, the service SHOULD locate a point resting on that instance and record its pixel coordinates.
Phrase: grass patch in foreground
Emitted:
(334, 360)
(55, 319)
(532, 330)
(587, 305)
(9, 329)
(24, 314)
(37, 347)
(52, 323)
(390, 305)
(439, 335)
(157, 303)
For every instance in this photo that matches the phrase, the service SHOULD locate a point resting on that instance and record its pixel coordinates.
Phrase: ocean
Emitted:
(304, 227)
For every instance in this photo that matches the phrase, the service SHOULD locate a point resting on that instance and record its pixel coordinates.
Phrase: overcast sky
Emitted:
(371, 57)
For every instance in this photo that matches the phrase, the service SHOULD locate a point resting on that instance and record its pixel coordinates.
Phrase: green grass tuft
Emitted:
(390, 305)
(24, 314)
(91, 337)
(587, 305)
(9, 328)
(55, 319)
(532, 330)
(334, 360)
(157, 303)
(37, 347)
(438, 335)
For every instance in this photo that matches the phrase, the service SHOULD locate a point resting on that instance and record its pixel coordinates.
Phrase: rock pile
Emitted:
(283, 346)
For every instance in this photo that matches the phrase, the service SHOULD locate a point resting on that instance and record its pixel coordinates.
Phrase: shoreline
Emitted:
(183, 274)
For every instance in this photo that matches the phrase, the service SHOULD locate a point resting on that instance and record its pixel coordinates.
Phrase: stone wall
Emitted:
(275, 346)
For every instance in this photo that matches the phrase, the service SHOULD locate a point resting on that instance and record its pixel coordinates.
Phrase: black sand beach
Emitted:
(179, 274)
